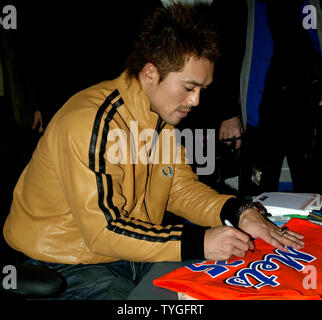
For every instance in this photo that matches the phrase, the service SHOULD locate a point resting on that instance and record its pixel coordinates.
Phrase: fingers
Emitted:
(258, 227)
(242, 236)
(246, 239)
(294, 234)
(233, 142)
(238, 253)
(273, 241)
(231, 130)
(240, 243)
(279, 239)
(41, 129)
(276, 238)
(238, 144)
(251, 245)
(222, 243)
(37, 123)
(291, 238)
(240, 248)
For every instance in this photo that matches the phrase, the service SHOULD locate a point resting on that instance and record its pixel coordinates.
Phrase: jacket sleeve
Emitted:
(197, 202)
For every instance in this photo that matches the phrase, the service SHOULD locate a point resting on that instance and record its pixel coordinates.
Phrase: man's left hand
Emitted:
(257, 226)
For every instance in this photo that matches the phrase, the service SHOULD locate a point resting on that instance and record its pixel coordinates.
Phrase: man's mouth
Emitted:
(183, 112)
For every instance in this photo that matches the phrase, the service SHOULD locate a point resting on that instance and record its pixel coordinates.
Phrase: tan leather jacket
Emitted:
(74, 204)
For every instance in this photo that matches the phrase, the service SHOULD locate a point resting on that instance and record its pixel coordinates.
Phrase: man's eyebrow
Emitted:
(193, 82)
(196, 83)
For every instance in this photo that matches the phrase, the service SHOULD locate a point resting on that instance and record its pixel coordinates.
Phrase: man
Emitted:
(91, 202)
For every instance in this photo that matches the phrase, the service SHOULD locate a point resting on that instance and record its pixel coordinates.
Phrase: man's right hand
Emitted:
(222, 243)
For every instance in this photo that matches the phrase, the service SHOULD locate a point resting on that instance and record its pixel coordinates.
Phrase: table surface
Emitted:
(146, 290)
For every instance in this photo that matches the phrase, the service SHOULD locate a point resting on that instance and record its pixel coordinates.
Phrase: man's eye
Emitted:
(189, 89)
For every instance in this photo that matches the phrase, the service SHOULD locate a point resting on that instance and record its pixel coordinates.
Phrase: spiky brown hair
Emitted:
(169, 37)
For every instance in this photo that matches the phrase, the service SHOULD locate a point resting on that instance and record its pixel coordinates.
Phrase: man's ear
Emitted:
(150, 74)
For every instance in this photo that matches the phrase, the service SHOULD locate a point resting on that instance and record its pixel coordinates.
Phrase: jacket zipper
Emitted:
(158, 129)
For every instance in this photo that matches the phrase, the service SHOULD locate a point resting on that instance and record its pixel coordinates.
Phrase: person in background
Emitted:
(281, 90)
(224, 97)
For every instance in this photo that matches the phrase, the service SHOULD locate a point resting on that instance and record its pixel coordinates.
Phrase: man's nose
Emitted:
(194, 98)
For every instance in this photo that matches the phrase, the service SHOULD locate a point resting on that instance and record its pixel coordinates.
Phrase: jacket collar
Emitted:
(136, 103)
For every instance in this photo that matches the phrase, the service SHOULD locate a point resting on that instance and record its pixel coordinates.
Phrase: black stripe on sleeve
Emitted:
(96, 126)
(145, 237)
(100, 191)
(145, 229)
(92, 150)
(109, 117)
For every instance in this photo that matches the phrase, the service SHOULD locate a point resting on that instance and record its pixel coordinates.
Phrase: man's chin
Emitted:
(173, 122)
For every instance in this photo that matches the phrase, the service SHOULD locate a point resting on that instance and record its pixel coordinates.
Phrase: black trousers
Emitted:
(286, 129)
(266, 152)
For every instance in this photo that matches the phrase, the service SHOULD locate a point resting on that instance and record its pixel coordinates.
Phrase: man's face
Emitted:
(174, 96)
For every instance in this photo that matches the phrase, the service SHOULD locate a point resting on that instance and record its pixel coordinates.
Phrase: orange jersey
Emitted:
(266, 273)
